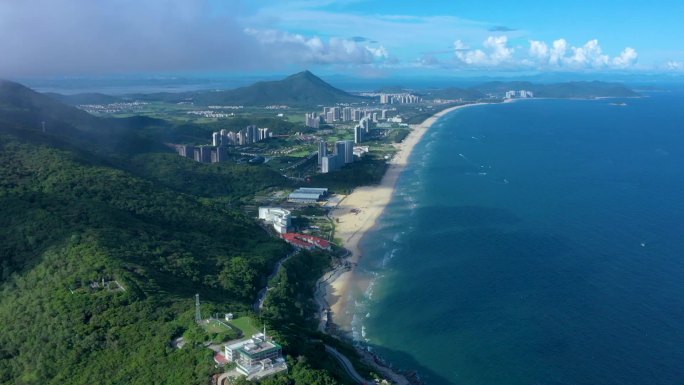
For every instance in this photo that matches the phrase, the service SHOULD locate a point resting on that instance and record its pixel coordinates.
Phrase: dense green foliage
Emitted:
(73, 216)
(398, 135)
(291, 311)
(367, 171)
(104, 242)
(67, 223)
(228, 180)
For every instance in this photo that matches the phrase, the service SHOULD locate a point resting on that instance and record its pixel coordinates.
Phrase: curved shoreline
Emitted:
(357, 213)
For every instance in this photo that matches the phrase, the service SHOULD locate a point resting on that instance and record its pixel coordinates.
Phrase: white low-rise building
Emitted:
(278, 217)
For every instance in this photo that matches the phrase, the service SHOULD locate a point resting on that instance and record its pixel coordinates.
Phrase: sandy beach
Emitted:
(359, 211)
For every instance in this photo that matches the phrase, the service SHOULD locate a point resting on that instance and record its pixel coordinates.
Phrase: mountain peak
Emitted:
(304, 75)
(302, 88)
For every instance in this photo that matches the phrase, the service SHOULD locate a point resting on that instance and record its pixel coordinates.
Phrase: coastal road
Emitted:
(347, 365)
(261, 297)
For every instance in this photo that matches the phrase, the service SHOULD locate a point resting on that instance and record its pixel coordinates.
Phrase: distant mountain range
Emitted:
(300, 89)
(307, 89)
(303, 88)
(594, 89)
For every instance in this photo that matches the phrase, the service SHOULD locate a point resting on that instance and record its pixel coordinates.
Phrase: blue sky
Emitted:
(356, 37)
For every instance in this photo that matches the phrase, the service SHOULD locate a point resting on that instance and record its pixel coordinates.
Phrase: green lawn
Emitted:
(247, 325)
(214, 327)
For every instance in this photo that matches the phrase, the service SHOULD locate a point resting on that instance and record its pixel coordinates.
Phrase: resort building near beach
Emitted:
(276, 216)
(307, 242)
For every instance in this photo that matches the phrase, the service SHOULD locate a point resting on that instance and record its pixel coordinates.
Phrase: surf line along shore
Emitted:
(355, 215)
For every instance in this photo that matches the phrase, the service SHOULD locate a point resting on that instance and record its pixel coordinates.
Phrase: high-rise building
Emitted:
(383, 114)
(255, 133)
(216, 139)
(329, 117)
(346, 114)
(205, 154)
(358, 114)
(358, 134)
(263, 133)
(330, 163)
(344, 149)
(312, 120)
(251, 134)
(219, 154)
(365, 123)
(232, 138)
(322, 151)
(186, 151)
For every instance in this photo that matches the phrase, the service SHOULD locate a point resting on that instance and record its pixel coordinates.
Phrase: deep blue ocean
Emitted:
(535, 242)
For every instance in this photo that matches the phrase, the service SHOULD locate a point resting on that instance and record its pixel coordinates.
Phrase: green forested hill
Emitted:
(66, 223)
(72, 214)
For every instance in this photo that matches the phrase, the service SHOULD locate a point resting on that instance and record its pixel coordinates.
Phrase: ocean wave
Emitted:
(388, 257)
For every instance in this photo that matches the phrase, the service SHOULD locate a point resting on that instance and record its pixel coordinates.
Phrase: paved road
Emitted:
(261, 297)
(347, 365)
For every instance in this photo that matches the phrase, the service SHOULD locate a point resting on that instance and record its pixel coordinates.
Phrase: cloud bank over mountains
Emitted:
(296, 48)
(75, 37)
(496, 52)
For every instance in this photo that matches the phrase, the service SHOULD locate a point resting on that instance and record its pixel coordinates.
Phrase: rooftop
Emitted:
(256, 348)
(306, 241)
(304, 195)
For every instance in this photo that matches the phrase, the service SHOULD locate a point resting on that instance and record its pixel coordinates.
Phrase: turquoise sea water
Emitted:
(537, 242)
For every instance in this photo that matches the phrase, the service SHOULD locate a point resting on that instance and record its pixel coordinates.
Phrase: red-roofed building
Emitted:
(307, 242)
(220, 359)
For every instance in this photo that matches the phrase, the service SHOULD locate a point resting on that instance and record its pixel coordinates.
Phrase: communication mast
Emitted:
(198, 313)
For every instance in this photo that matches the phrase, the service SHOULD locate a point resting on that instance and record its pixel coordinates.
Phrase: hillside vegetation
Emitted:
(75, 215)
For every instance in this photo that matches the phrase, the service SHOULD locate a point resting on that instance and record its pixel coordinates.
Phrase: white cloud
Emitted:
(299, 48)
(45, 37)
(460, 46)
(674, 66)
(538, 49)
(588, 56)
(558, 51)
(499, 47)
(626, 59)
(497, 52)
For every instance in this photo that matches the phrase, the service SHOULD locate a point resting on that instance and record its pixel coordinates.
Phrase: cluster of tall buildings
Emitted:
(312, 120)
(519, 94)
(220, 140)
(343, 153)
(404, 98)
(247, 135)
(343, 114)
(203, 154)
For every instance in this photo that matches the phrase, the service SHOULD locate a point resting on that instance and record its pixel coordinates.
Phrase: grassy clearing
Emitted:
(247, 325)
